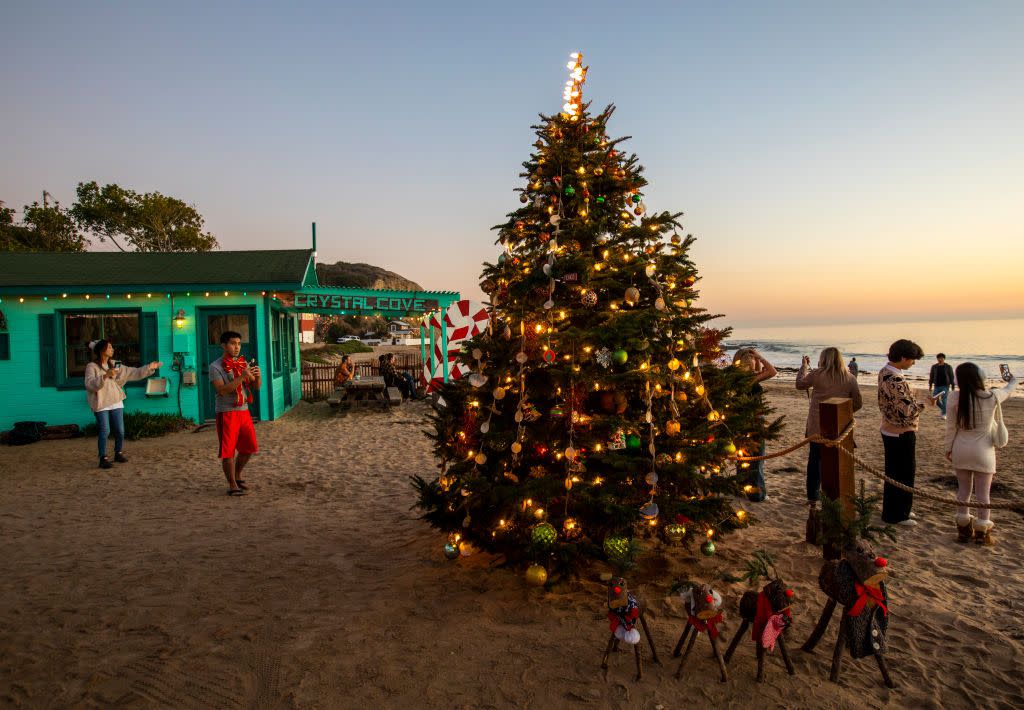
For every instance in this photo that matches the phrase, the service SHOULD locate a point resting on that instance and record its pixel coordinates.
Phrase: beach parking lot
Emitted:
(146, 586)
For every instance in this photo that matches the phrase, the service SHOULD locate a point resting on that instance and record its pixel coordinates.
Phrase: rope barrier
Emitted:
(835, 443)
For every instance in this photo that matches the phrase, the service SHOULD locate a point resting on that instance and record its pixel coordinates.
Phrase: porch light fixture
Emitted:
(179, 318)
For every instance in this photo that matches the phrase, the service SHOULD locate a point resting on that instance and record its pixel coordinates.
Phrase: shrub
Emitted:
(144, 425)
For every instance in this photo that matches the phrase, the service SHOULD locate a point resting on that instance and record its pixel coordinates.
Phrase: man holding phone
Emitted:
(234, 380)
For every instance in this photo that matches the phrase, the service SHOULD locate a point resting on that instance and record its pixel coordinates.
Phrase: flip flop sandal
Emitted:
(241, 484)
(237, 492)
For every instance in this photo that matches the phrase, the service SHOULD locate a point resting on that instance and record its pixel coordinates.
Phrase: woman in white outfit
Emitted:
(969, 447)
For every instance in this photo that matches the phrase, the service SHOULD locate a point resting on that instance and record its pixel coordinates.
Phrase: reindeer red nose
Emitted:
(881, 562)
(709, 599)
(617, 590)
(789, 593)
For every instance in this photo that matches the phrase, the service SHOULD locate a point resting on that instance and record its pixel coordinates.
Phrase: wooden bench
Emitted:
(366, 392)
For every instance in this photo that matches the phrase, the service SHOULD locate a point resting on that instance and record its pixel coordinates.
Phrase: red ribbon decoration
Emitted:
(706, 625)
(863, 594)
(763, 613)
(236, 367)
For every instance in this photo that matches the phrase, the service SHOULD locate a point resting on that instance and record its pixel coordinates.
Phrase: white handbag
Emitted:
(1000, 436)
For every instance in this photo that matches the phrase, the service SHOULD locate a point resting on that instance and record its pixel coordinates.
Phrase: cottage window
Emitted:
(122, 329)
(5, 346)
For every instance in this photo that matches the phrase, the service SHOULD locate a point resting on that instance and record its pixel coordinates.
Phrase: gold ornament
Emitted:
(672, 427)
(499, 393)
(674, 364)
(632, 296)
(516, 447)
(536, 575)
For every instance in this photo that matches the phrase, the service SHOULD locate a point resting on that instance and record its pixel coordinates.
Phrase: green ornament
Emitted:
(616, 547)
(620, 356)
(501, 258)
(451, 551)
(674, 532)
(633, 441)
(708, 548)
(570, 191)
(600, 199)
(544, 535)
(637, 197)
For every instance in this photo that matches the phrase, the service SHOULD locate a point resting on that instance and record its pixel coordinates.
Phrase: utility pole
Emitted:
(46, 198)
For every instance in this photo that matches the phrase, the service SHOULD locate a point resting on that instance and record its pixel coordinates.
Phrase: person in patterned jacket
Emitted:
(901, 411)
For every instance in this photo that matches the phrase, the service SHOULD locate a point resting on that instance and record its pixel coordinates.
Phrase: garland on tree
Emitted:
(598, 408)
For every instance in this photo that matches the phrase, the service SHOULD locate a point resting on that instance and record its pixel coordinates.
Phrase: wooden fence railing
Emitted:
(318, 380)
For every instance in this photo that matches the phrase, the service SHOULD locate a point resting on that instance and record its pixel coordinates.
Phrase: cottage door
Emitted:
(212, 323)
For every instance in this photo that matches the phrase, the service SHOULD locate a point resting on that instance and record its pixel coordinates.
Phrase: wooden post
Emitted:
(837, 481)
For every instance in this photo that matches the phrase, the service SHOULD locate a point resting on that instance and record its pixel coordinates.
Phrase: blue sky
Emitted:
(836, 163)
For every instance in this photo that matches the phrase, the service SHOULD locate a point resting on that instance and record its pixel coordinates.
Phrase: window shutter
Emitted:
(47, 351)
(150, 345)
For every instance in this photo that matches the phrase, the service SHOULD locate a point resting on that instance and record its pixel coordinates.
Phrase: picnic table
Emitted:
(365, 392)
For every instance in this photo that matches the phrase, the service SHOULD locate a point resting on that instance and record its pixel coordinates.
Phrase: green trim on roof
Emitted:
(115, 272)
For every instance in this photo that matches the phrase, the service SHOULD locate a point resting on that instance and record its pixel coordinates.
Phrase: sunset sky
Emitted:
(844, 164)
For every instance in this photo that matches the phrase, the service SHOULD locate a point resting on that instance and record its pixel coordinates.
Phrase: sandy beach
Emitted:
(146, 586)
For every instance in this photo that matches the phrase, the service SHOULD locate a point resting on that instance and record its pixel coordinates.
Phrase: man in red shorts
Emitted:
(235, 381)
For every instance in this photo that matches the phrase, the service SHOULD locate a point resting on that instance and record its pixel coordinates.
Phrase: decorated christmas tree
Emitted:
(598, 411)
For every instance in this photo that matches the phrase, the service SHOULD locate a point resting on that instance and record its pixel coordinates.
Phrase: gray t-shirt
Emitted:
(226, 402)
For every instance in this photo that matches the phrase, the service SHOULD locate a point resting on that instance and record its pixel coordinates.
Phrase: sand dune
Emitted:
(146, 586)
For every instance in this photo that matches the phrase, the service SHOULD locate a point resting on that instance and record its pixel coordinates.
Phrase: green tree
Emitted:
(140, 222)
(598, 411)
(43, 228)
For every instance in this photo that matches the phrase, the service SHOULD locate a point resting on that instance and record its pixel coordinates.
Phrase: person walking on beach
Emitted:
(104, 380)
(234, 380)
(829, 379)
(854, 367)
(901, 413)
(752, 361)
(970, 448)
(940, 382)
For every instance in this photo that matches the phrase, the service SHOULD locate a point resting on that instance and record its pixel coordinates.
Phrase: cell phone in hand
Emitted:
(1004, 372)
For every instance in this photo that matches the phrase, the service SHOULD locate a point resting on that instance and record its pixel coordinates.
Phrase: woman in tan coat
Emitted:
(829, 379)
(103, 387)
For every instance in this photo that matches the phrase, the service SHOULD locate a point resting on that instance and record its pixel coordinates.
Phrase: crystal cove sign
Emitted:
(367, 302)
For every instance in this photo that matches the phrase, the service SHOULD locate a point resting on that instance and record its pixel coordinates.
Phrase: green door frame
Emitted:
(207, 403)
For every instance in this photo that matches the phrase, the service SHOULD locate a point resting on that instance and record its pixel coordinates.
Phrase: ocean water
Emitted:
(987, 343)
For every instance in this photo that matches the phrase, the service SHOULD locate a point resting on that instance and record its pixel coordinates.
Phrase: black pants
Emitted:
(900, 465)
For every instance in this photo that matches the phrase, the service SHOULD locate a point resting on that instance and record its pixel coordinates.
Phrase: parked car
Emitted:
(347, 338)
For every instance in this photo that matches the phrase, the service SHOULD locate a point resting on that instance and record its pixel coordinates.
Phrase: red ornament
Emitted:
(617, 590)
(549, 355)
(520, 225)
(709, 599)
(789, 593)
(682, 519)
(881, 562)
(544, 237)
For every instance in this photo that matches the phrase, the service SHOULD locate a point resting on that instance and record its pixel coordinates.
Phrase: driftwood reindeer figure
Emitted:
(704, 614)
(857, 582)
(624, 611)
(767, 611)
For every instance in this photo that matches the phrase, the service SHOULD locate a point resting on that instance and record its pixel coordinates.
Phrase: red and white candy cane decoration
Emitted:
(463, 320)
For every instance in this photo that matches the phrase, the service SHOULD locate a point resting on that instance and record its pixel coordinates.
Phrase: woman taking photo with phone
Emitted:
(104, 378)
(974, 430)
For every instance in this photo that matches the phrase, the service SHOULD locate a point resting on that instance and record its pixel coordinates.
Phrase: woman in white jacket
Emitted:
(969, 447)
(103, 387)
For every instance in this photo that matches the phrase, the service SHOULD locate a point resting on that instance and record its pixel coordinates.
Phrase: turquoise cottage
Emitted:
(170, 307)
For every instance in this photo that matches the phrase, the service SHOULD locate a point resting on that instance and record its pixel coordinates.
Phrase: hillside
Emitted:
(342, 273)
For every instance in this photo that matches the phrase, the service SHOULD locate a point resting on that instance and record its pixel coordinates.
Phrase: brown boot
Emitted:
(964, 528)
(983, 534)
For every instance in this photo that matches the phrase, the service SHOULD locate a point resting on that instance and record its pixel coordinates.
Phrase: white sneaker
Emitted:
(913, 515)
(907, 523)
(943, 417)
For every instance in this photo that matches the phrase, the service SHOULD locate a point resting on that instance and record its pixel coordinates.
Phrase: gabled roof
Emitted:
(47, 271)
